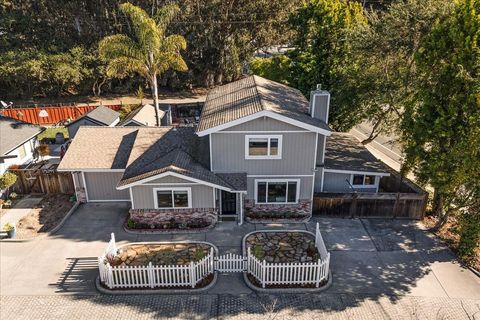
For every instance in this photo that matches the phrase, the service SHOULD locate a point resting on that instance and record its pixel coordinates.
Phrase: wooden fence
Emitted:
(50, 115)
(152, 276)
(42, 177)
(371, 205)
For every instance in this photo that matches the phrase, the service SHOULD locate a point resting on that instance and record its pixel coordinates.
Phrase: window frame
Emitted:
(189, 196)
(363, 185)
(297, 195)
(269, 137)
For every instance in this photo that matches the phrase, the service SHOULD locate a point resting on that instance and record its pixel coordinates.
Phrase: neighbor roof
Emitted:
(101, 115)
(344, 152)
(143, 116)
(14, 133)
(143, 152)
(252, 95)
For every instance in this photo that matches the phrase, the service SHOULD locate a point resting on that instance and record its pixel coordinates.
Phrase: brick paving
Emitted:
(225, 306)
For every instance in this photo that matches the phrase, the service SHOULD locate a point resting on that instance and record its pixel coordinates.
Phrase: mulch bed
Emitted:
(45, 216)
(448, 234)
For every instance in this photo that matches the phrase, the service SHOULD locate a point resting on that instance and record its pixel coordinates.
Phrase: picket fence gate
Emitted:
(266, 273)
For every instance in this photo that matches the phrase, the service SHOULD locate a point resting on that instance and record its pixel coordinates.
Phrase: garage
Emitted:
(101, 186)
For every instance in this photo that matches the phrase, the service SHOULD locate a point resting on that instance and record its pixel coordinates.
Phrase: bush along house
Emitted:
(259, 152)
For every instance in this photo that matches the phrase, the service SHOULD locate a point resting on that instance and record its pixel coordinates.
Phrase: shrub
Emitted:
(469, 235)
(130, 224)
(43, 150)
(13, 195)
(198, 254)
(7, 227)
(258, 252)
(7, 180)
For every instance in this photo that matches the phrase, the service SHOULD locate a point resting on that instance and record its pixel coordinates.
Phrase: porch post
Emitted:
(240, 220)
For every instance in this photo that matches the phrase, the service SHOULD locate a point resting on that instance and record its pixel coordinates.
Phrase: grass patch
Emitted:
(50, 133)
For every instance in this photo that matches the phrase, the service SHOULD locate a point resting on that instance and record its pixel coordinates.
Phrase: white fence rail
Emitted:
(153, 276)
(230, 263)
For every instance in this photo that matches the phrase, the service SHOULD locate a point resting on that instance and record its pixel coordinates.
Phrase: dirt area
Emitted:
(160, 254)
(45, 216)
(448, 234)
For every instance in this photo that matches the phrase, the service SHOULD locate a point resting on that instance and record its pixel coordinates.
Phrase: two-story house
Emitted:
(260, 148)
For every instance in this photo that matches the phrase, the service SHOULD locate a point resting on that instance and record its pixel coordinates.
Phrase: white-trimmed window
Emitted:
(172, 198)
(363, 181)
(263, 146)
(277, 191)
(22, 151)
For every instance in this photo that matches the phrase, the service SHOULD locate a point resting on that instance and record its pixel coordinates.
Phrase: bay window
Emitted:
(277, 191)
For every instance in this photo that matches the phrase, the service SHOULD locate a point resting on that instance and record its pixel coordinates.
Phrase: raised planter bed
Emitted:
(160, 266)
(159, 221)
(286, 260)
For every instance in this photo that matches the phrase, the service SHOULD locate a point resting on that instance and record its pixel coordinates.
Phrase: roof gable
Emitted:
(101, 115)
(253, 97)
(14, 133)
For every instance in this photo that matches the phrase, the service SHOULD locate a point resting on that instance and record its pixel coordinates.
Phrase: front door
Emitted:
(229, 203)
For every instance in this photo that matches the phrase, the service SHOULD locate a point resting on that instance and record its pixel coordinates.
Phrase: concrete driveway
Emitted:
(371, 259)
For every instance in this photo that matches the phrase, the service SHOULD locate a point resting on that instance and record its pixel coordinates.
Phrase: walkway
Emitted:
(381, 269)
(21, 209)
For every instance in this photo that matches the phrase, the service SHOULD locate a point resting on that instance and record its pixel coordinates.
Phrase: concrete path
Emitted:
(21, 209)
(381, 269)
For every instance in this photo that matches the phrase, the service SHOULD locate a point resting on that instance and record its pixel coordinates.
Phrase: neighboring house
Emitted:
(259, 146)
(18, 140)
(143, 116)
(100, 116)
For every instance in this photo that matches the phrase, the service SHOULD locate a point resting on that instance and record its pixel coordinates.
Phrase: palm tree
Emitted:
(149, 52)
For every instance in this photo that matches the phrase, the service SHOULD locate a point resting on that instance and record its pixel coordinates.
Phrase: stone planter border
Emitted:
(282, 290)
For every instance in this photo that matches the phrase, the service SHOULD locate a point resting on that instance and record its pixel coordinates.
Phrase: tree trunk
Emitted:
(155, 98)
(438, 209)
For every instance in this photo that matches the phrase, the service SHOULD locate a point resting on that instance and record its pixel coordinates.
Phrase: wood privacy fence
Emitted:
(152, 276)
(371, 205)
(42, 177)
(50, 115)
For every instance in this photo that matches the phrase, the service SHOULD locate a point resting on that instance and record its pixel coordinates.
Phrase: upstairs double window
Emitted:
(263, 147)
(277, 191)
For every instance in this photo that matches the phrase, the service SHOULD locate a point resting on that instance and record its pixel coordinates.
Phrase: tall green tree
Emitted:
(441, 124)
(381, 74)
(149, 52)
(321, 42)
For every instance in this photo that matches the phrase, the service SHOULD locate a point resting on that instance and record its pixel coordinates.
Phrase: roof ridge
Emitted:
(262, 104)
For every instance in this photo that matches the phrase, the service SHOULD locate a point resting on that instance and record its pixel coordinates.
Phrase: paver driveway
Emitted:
(381, 269)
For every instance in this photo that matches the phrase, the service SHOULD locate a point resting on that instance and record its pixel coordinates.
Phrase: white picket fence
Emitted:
(230, 263)
(152, 276)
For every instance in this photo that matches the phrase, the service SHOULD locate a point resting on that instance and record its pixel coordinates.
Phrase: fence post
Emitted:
(151, 280)
(193, 281)
(112, 238)
(109, 283)
(319, 269)
(248, 259)
(263, 273)
(212, 267)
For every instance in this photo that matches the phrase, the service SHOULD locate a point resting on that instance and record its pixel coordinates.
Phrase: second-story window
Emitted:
(263, 147)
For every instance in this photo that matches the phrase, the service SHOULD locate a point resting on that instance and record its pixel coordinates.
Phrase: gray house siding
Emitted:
(73, 128)
(101, 186)
(298, 154)
(335, 182)
(265, 124)
(305, 186)
(202, 196)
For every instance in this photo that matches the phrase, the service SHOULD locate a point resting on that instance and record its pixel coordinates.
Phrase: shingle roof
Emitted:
(99, 148)
(345, 152)
(144, 115)
(14, 132)
(102, 115)
(144, 152)
(251, 95)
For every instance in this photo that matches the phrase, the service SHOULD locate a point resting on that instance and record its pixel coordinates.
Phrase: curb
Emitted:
(289, 290)
(104, 290)
(49, 233)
